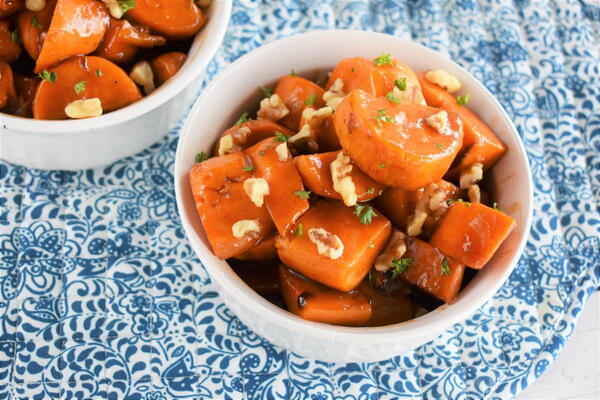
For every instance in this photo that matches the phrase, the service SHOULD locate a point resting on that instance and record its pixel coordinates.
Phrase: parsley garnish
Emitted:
(445, 267)
(14, 35)
(299, 230)
(201, 157)
(390, 96)
(79, 87)
(440, 146)
(126, 5)
(371, 277)
(261, 153)
(495, 206)
(463, 100)
(452, 201)
(311, 99)
(381, 165)
(400, 83)
(384, 59)
(48, 76)
(266, 92)
(249, 168)
(243, 119)
(35, 22)
(400, 265)
(99, 72)
(303, 194)
(280, 137)
(370, 191)
(365, 213)
(293, 72)
(382, 116)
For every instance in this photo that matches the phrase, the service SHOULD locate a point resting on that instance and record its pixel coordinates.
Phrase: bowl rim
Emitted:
(205, 45)
(226, 278)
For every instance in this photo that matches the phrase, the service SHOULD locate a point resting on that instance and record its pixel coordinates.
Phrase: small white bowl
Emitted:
(89, 143)
(216, 109)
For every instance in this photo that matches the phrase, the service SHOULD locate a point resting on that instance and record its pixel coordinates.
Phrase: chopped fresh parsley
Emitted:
(201, 157)
(303, 194)
(452, 201)
(440, 146)
(311, 99)
(280, 137)
(293, 72)
(365, 213)
(370, 191)
(14, 35)
(243, 118)
(266, 91)
(495, 206)
(126, 5)
(372, 277)
(35, 22)
(48, 76)
(99, 73)
(381, 165)
(382, 116)
(79, 87)
(261, 153)
(249, 168)
(445, 267)
(390, 96)
(352, 69)
(400, 265)
(384, 59)
(400, 83)
(463, 100)
(299, 230)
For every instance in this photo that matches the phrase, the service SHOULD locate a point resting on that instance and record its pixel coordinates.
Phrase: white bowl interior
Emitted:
(216, 109)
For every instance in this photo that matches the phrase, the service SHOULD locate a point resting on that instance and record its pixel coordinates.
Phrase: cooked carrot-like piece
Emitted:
(315, 302)
(332, 246)
(10, 7)
(480, 143)
(122, 41)
(25, 88)
(175, 19)
(101, 79)
(316, 174)
(217, 186)
(9, 48)
(167, 65)
(395, 144)
(386, 307)
(7, 84)
(399, 204)
(77, 28)
(263, 251)
(472, 232)
(262, 278)
(33, 27)
(284, 201)
(432, 271)
(297, 93)
(378, 80)
(248, 134)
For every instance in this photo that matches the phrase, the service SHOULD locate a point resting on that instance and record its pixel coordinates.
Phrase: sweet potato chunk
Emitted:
(263, 251)
(284, 201)
(378, 80)
(361, 245)
(122, 41)
(432, 271)
(167, 65)
(393, 143)
(7, 84)
(33, 27)
(296, 92)
(9, 48)
(480, 143)
(10, 7)
(175, 19)
(315, 302)
(316, 175)
(472, 232)
(251, 132)
(217, 186)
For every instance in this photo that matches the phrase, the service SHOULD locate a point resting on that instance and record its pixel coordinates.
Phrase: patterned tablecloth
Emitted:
(102, 297)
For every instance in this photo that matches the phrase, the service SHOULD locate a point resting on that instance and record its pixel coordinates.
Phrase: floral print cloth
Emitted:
(102, 297)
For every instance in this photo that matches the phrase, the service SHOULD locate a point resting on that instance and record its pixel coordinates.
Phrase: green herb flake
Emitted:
(382, 116)
(384, 59)
(400, 83)
(463, 100)
(440, 146)
(14, 35)
(201, 157)
(35, 22)
(261, 153)
(266, 91)
(249, 168)
(280, 137)
(390, 96)
(365, 213)
(48, 76)
(243, 119)
(311, 99)
(99, 73)
(299, 230)
(126, 5)
(382, 165)
(303, 194)
(352, 69)
(79, 87)
(372, 277)
(370, 191)
(445, 267)
(495, 206)
(293, 72)
(400, 266)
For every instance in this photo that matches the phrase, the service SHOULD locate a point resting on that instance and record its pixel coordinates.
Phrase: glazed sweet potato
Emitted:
(251, 132)
(7, 84)
(360, 244)
(9, 48)
(386, 307)
(10, 7)
(316, 174)
(394, 144)
(432, 271)
(33, 27)
(472, 232)
(378, 80)
(122, 41)
(284, 202)
(217, 186)
(101, 79)
(263, 251)
(480, 143)
(167, 65)
(77, 28)
(295, 92)
(175, 19)
(262, 278)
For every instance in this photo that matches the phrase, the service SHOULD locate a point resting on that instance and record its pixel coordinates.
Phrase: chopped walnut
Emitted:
(415, 223)
(256, 189)
(334, 96)
(395, 248)
(430, 204)
(474, 193)
(272, 108)
(471, 175)
(142, 74)
(443, 79)
(438, 121)
(342, 181)
(245, 227)
(303, 133)
(85, 108)
(315, 118)
(328, 244)
(234, 141)
(283, 154)
(35, 5)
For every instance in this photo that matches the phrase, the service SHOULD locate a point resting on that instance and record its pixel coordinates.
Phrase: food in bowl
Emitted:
(74, 59)
(360, 203)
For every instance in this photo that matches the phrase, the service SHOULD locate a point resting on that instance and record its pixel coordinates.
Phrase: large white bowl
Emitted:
(88, 143)
(217, 108)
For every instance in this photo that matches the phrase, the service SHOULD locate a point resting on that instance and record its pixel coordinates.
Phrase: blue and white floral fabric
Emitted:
(102, 297)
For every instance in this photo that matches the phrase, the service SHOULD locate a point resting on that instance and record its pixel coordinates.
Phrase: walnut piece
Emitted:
(85, 108)
(443, 79)
(395, 248)
(256, 189)
(35, 5)
(142, 74)
(471, 175)
(315, 118)
(283, 154)
(328, 244)
(342, 181)
(272, 108)
(334, 96)
(245, 227)
(438, 121)
(474, 194)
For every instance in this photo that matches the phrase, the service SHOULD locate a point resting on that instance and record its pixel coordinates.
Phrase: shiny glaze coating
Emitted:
(10, 7)
(167, 65)
(260, 129)
(33, 34)
(263, 278)
(9, 50)
(122, 40)
(174, 19)
(263, 251)
(295, 91)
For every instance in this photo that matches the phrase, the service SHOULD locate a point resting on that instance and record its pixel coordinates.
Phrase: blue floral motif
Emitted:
(102, 297)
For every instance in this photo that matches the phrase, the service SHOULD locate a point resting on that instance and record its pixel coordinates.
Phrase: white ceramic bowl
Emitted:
(215, 110)
(88, 143)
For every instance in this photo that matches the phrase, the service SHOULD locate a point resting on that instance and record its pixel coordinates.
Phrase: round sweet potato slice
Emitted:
(175, 19)
(7, 83)
(33, 27)
(122, 40)
(166, 66)
(9, 48)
